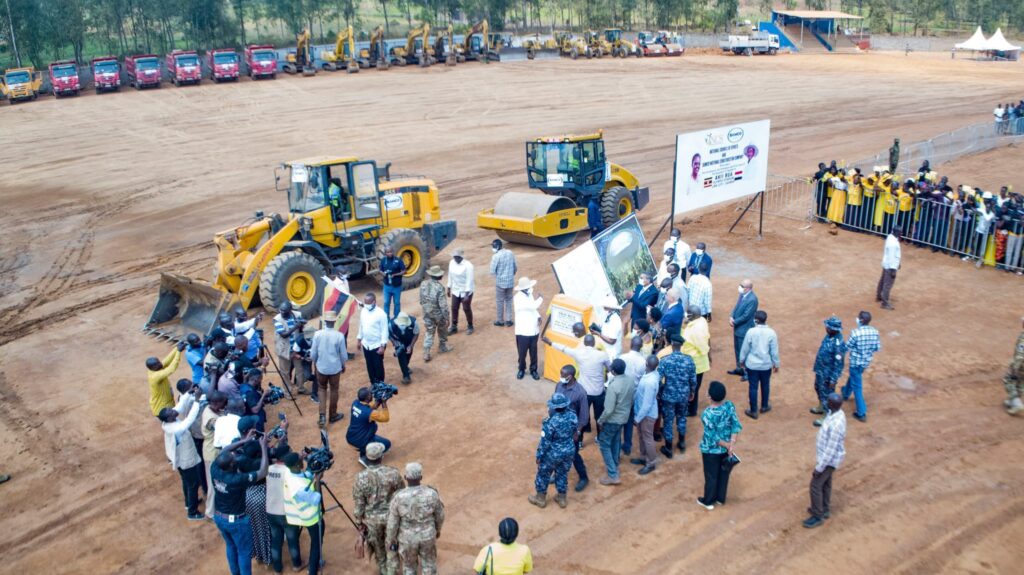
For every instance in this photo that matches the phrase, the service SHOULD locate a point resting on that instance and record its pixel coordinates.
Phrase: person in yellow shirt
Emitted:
(854, 201)
(506, 557)
(697, 345)
(905, 200)
(160, 395)
(837, 202)
(868, 209)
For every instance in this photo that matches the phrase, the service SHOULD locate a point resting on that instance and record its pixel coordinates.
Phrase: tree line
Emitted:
(39, 31)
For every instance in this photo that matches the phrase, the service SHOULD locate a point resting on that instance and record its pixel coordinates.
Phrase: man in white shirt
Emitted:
(680, 249)
(181, 450)
(592, 363)
(610, 327)
(373, 337)
(890, 263)
(527, 325)
(460, 288)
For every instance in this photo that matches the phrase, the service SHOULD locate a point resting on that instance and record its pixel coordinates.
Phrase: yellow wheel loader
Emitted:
(620, 47)
(342, 215)
(575, 176)
(343, 56)
(21, 84)
(302, 59)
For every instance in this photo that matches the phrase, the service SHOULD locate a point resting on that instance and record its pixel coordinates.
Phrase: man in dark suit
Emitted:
(698, 256)
(643, 295)
(672, 319)
(741, 320)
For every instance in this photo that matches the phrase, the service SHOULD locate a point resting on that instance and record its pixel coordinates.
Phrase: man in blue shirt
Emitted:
(594, 215)
(698, 257)
(392, 268)
(680, 374)
(645, 410)
(195, 353)
(362, 427)
(863, 344)
(828, 364)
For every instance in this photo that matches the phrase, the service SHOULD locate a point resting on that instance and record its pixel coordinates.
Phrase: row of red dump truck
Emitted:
(144, 71)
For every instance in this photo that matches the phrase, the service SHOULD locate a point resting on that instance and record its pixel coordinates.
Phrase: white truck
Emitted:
(756, 43)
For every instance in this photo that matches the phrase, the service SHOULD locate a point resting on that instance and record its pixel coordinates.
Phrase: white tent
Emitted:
(998, 43)
(977, 42)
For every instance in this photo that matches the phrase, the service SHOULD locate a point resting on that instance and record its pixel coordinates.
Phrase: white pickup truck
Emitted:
(756, 43)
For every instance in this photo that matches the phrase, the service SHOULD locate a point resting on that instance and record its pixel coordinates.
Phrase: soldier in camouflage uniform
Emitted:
(1014, 380)
(828, 364)
(555, 452)
(435, 311)
(414, 524)
(372, 492)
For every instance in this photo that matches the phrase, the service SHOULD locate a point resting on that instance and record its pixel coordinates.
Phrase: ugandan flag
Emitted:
(341, 303)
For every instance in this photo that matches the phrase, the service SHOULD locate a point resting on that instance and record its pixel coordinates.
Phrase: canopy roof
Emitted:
(998, 43)
(975, 42)
(818, 15)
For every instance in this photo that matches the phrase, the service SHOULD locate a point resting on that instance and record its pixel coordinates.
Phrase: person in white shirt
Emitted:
(680, 250)
(527, 325)
(610, 328)
(181, 450)
(592, 364)
(460, 288)
(373, 337)
(668, 257)
(985, 214)
(890, 263)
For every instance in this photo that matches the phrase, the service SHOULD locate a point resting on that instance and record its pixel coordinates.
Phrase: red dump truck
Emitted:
(64, 78)
(143, 71)
(223, 64)
(184, 67)
(106, 73)
(261, 60)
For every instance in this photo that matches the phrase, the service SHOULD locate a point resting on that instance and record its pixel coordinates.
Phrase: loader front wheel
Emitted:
(616, 203)
(411, 249)
(293, 276)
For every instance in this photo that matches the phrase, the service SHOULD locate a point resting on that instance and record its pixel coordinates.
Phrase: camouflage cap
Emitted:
(375, 451)
(413, 470)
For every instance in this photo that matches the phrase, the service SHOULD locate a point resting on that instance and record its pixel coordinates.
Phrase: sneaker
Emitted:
(196, 517)
(817, 410)
(700, 501)
(314, 399)
(609, 481)
(750, 414)
(469, 330)
(812, 522)
(826, 515)
(582, 484)
(646, 469)
(363, 461)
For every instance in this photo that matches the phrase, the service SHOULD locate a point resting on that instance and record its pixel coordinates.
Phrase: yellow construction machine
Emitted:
(569, 45)
(416, 49)
(445, 49)
(535, 46)
(21, 84)
(620, 47)
(575, 176)
(302, 58)
(342, 215)
(481, 45)
(598, 45)
(376, 54)
(343, 55)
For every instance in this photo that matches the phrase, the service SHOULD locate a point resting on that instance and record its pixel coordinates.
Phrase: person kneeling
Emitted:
(362, 427)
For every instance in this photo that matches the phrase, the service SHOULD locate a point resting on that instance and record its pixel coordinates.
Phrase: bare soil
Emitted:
(100, 193)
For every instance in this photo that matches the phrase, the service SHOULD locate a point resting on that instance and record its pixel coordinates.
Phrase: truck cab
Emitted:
(21, 84)
(106, 73)
(262, 61)
(143, 71)
(184, 67)
(64, 78)
(223, 64)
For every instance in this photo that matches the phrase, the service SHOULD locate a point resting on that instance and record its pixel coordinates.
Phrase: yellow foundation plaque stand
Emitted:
(563, 312)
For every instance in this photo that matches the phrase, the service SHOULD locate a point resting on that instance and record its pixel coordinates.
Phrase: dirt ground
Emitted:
(101, 193)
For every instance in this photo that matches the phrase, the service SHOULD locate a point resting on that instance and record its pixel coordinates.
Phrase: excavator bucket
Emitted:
(185, 306)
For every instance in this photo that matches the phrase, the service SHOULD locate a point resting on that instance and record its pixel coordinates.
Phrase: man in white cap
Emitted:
(403, 332)
(610, 328)
(527, 325)
(460, 288)
(328, 355)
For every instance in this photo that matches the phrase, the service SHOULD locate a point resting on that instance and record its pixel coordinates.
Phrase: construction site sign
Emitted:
(720, 164)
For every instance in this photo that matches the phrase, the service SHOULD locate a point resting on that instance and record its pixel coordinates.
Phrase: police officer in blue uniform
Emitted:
(555, 452)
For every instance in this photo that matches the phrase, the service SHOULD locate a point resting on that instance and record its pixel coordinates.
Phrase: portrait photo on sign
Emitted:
(624, 255)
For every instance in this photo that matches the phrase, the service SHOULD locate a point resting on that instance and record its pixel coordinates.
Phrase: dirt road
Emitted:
(101, 193)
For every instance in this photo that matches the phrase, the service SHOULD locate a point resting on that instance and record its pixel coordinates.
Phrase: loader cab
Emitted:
(309, 187)
(612, 35)
(572, 167)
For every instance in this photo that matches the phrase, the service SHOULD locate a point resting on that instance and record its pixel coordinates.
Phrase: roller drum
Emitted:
(530, 206)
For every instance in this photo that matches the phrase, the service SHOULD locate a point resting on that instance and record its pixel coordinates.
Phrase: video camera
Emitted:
(274, 395)
(319, 459)
(383, 391)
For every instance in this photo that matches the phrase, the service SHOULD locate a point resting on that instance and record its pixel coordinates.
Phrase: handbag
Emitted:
(729, 462)
(484, 570)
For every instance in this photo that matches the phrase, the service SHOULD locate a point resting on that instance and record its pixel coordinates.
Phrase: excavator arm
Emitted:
(481, 28)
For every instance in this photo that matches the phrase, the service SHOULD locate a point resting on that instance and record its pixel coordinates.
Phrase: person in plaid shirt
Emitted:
(699, 288)
(863, 344)
(503, 268)
(831, 453)
(828, 365)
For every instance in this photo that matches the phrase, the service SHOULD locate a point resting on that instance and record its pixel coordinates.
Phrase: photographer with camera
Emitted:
(287, 324)
(404, 332)
(247, 327)
(302, 363)
(215, 364)
(372, 492)
(229, 512)
(181, 449)
(302, 505)
(367, 411)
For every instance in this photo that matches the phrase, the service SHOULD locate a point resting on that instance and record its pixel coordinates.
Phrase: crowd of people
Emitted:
(981, 226)
(1009, 119)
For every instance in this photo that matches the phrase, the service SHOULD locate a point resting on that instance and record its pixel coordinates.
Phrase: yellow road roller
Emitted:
(575, 176)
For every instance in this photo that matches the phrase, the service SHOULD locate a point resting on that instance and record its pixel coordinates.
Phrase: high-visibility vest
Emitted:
(298, 512)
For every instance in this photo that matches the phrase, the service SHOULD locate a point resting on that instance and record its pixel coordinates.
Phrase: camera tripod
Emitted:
(324, 510)
(291, 396)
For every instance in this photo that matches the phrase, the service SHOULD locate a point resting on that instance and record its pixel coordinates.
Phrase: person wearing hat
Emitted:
(828, 364)
(831, 451)
(461, 286)
(506, 557)
(891, 257)
(328, 356)
(435, 311)
(372, 492)
(721, 427)
(403, 332)
(415, 518)
(555, 451)
(527, 325)
(503, 268)
(610, 328)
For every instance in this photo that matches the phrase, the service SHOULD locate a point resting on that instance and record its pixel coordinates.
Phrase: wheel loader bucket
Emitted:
(185, 306)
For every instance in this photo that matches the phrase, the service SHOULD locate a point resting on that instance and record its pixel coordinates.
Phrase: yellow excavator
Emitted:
(302, 58)
(480, 45)
(343, 54)
(575, 176)
(376, 55)
(343, 213)
(445, 49)
(416, 49)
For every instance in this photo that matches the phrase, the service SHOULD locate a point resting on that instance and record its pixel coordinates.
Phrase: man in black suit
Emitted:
(741, 320)
(642, 296)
